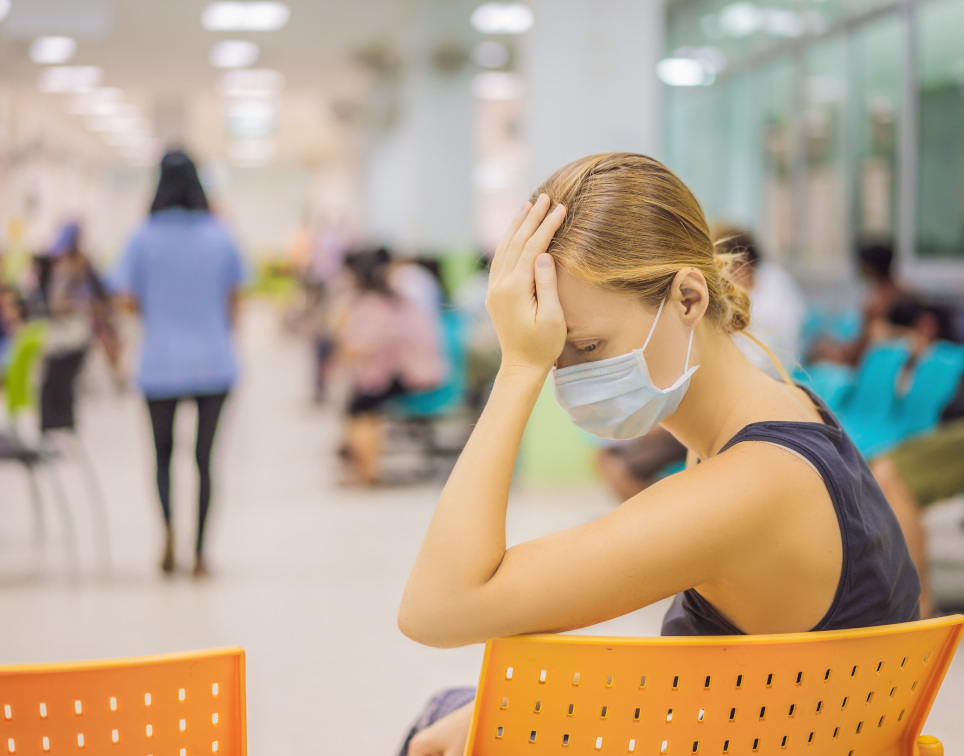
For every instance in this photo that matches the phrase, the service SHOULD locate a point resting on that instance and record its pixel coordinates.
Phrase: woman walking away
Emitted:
(182, 270)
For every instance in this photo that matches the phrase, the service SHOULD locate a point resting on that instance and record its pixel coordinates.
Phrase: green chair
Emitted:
(20, 395)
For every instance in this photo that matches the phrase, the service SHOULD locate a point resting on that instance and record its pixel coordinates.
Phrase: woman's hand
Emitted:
(522, 298)
(446, 737)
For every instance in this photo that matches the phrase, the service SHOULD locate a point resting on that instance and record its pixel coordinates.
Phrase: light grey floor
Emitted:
(307, 576)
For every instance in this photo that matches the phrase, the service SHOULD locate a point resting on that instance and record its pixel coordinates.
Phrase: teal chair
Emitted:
(416, 417)
(934, 382)
(451, 394)
(831, 382)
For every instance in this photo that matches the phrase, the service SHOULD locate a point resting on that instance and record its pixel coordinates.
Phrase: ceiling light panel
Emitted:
(498, 85)
(69, 79)
(4, 9)
(250, 82)
(234, 16)
(52, 50)
(233, 54)
(502, 18)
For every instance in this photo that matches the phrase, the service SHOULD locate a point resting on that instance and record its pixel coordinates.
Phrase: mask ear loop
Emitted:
(652, 330)
(689, 348)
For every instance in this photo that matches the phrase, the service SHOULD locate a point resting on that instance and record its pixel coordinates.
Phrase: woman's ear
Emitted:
(689, 290)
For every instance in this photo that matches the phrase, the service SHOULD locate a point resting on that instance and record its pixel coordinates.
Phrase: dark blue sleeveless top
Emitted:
(878, 581)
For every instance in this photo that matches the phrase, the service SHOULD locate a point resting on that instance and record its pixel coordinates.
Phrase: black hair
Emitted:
(179, 185)
(906, 313)
(877, 258)
(741, 243)
(370, 270)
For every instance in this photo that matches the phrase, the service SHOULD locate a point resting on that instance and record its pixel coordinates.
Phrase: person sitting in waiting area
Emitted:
(609, 283)
(875, 262)
(930, 468)
(389, 346)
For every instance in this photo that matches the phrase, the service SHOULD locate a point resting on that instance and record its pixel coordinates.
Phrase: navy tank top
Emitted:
(878, 583)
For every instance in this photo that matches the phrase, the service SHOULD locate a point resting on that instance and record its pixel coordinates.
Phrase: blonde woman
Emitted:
(609, 283)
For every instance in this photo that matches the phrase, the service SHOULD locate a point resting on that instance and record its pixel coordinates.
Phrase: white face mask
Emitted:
(616, 398)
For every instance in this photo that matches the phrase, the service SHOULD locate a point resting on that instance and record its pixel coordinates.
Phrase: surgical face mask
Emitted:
(616, 398)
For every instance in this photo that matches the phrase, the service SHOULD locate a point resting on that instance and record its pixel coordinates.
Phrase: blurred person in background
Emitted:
(81, 316)
(777, 311)
(929, 468)
(412, 279)
(483, 355)
(875, 263)
(389, 346)
(13, 314)
(183, 272)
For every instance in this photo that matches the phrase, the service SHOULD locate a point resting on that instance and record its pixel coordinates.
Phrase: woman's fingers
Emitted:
(547, 295)
(526, 230)
(499, 258)
(539, 241)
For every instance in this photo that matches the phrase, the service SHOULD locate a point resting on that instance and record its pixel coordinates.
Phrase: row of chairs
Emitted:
(26, 369)
(866, 399)
(863, 692)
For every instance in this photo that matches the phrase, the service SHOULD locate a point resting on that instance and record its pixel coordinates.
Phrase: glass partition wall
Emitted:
(821, 123)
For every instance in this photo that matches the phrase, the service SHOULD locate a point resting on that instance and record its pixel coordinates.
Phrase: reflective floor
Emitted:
(306, 575)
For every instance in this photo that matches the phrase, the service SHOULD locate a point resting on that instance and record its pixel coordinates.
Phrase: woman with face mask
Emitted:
(608, 282)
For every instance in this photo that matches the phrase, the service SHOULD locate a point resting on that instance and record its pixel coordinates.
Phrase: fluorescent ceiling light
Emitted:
(252, 151)
(783, 23)
(233, 54)
(4, 9)
(69, 79)
(234, 16)
(685, 72)
(495, 85)
(47, 50)
(131, 124)
(250, 82)
(741, 19)
(490, 54)
(88, 102)
(251, 118)
(108, 108)
(502, 18)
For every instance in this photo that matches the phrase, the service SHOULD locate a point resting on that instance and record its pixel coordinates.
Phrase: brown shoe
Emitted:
(167, 561)
(200, 568)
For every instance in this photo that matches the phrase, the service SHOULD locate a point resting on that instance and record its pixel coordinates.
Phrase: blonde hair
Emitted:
(632, 224)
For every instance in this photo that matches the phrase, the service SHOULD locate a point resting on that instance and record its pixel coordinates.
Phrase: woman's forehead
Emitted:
(586, 305)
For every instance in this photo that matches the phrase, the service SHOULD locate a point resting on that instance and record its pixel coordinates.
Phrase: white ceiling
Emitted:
(157, 52)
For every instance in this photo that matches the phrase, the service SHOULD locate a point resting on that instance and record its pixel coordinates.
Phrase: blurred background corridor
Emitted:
(351, 167)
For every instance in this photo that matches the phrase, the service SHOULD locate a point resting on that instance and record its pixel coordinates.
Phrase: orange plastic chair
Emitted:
(860, 692)
(172, 705)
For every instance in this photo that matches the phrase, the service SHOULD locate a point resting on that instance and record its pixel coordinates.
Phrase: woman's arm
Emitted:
(465, 542)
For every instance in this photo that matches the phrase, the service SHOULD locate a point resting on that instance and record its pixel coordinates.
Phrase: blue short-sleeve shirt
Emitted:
(182, 267)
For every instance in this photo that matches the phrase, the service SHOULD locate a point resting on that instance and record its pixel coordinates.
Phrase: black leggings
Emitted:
(162, 420)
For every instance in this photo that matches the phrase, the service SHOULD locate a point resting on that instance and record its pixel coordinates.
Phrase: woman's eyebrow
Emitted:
(573, 330)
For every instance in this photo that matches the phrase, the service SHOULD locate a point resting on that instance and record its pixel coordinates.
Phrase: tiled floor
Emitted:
(307, 575)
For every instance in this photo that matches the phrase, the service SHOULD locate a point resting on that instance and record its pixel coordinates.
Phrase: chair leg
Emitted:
(36, 501)
(70, 532)
(97, 502)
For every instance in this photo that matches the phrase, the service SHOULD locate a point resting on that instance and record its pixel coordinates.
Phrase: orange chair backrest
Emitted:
(860, 692)
(173, 705)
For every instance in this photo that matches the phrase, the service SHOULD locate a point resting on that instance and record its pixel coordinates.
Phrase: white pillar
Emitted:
(591, 75)
(418, 176)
